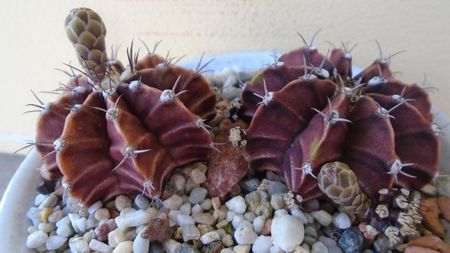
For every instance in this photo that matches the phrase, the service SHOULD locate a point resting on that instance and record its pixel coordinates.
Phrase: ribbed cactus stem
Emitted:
(86, 30)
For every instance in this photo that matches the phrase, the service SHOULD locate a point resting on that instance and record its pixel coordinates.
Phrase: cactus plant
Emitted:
(117, 129)
(307, 110)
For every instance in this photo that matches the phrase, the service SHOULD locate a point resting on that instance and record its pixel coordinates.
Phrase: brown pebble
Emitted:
(429, 210)
(431, 242)
(158, 229)
(236, 190)
(444, 205)
(114, 213)
(267, 227)
(416, 249)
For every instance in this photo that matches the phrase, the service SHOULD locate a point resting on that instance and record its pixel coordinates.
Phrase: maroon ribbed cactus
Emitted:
(308, 110)
(120, 130)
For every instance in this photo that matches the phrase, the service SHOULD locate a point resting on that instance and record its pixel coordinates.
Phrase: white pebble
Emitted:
(46, 227)
(280, 212)
(62, 222)
(115, 237)
(237, 219)
(91, 222)
(342, 221)
(39, 199)
(55, 242)
(178, 181)
(287, 232)
(302, 249)
(197, 209)
(250, 216)
(190, 232)
(227, 240)
(34, 215)
(121, 202)
(50, 201)
(300, 214)
(65, 230)
(141, 245)
(262, 244)
(94, 207)
(185, 220)
(241, 249)
(258, 223)
(31, 229)
(132, 219)
(206, 204)
(173, 202)
(208, 237)
(124, 247)
(56, 216)
(245, 235)
(236, 204)
(79, 225)
(227, 250)
(230, 216)
(171, 245)
(36, 239)
(322, 217)
(77, 244)
(276, 249)
(197, 176)
(99, 246)
(102, 214)
(186, 208)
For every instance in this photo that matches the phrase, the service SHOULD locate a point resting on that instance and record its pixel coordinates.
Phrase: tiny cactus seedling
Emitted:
(309, 111)
(122, 130)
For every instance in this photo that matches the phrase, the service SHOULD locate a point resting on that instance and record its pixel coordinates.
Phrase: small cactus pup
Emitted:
(122, 130)
(307, 110)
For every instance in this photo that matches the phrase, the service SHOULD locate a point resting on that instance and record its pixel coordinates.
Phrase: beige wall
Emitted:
(33, 42)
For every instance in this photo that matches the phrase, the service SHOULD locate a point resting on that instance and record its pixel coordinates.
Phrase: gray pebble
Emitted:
(277, 201)
(250, 185)
(309, 240)
(311, 230)
(276, 187)
(351, 240)
(141, 202)
(197, 195)
(319, 247)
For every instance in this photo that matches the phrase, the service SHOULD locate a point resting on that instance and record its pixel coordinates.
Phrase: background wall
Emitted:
(33, 41)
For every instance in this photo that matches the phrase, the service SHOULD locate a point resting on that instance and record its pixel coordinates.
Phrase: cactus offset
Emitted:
(308, 111)
(340, 184)
(120, 130)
